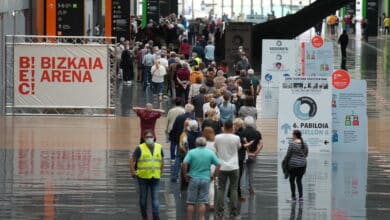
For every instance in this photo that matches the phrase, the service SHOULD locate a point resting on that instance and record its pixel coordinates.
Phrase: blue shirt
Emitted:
(200, 160)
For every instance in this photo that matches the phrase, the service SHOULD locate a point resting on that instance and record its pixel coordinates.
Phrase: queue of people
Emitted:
(211, 129)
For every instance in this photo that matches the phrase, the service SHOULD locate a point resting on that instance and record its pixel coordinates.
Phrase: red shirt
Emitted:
(185, 48)
(148, 119)
(183, 74)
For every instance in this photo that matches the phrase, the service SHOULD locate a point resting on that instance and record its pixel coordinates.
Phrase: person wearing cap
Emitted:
(199, 176)
(147, 165)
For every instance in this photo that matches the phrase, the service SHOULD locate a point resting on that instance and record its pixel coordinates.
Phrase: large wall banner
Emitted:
(60, 76)
(349, 105)
(305, 104)
(317, 58)
(280, 58)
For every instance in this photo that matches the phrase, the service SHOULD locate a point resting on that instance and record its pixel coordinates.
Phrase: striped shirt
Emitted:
(296, 154)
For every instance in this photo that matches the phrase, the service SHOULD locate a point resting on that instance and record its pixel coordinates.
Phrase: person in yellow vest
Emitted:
(146, 165)
(386, 24)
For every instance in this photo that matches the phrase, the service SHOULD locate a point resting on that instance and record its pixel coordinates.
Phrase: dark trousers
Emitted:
(344, 58)
(241, 170)
(296, 175)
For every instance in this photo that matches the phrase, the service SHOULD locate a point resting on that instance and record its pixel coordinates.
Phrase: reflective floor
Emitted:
(77, 167)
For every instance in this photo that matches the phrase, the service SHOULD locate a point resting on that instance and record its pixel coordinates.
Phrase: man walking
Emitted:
(227, 145)
(147, 165)
(199, 160)
(343, 41)
(148, 117)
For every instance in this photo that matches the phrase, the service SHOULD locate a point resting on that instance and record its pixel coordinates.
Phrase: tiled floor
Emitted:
(77, 167)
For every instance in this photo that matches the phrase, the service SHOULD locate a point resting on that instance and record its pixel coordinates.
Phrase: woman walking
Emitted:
(295, 160)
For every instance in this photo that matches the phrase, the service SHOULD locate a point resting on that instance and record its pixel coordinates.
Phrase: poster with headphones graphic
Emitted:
(349, 115)
(305, 105)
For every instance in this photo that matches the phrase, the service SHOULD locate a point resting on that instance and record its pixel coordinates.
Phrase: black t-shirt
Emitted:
(251, 134)
(246, 83)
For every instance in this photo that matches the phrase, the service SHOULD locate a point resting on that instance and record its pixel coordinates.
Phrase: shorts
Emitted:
(198, 191)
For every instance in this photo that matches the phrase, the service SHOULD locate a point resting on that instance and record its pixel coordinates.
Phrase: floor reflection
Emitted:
(83, 184)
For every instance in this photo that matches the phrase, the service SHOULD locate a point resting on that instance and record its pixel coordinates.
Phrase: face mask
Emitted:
(149, 141)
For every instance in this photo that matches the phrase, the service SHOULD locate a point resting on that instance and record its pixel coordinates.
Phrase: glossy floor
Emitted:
(77, 167)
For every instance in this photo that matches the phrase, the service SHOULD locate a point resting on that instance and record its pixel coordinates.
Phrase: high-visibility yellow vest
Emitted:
(148, 165)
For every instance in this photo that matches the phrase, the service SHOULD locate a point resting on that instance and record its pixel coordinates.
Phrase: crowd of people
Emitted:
(211, 129)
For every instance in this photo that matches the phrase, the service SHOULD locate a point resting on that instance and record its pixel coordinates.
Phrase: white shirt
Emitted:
(206, 107)
(227, 146)
(158, 74)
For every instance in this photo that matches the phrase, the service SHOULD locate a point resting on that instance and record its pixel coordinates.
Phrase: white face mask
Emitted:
(149, 141)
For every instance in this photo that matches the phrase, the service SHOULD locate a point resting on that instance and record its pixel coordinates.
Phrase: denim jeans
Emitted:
(147, 77)
(233, 177)
(144, 186)
(176, 167)
(157, 88)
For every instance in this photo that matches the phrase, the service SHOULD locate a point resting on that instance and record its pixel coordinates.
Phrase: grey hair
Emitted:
(249, 121)
(193, 124)
(189, 108)
(200, 142)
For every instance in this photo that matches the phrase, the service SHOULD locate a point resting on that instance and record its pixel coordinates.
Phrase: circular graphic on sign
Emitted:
(317, 41)
(268, 77)
(278, 57)
(279, 43)
(305, 108)
(340, 79)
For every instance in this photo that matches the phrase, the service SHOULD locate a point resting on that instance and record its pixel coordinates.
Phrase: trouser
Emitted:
(241, 171)
(176, 167)
(144, 186)
(250, 166)
(232, 176)
(296, 175)
(147, 77)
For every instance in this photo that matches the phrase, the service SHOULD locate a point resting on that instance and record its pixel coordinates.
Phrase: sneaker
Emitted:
(301, 199)
(293, 199)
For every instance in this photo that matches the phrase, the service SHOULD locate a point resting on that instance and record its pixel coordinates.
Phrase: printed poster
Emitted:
(317, 60)
(279, 60)
(61, 76)
(305, 104)
(349, 115)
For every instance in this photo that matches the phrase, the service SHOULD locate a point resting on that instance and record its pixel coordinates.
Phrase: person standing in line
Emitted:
(158, 72)
(148, 117)
(238, 126)
(255, 85)
(253, 142)
(343, 41)
(386, 25)
(209, 134)
(171, 117)
(177, 130)
(126, 64)
(227, 145)
(296, 163)
(147, 164)
(147, 62)
(209, 52)
(227, 110)
(199, 161)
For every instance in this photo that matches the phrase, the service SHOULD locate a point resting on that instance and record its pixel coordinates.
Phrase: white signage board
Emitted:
(61, 76)
(305, 104)
(317, 61)
(279, 60)
(317, 190)
(349, 113)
